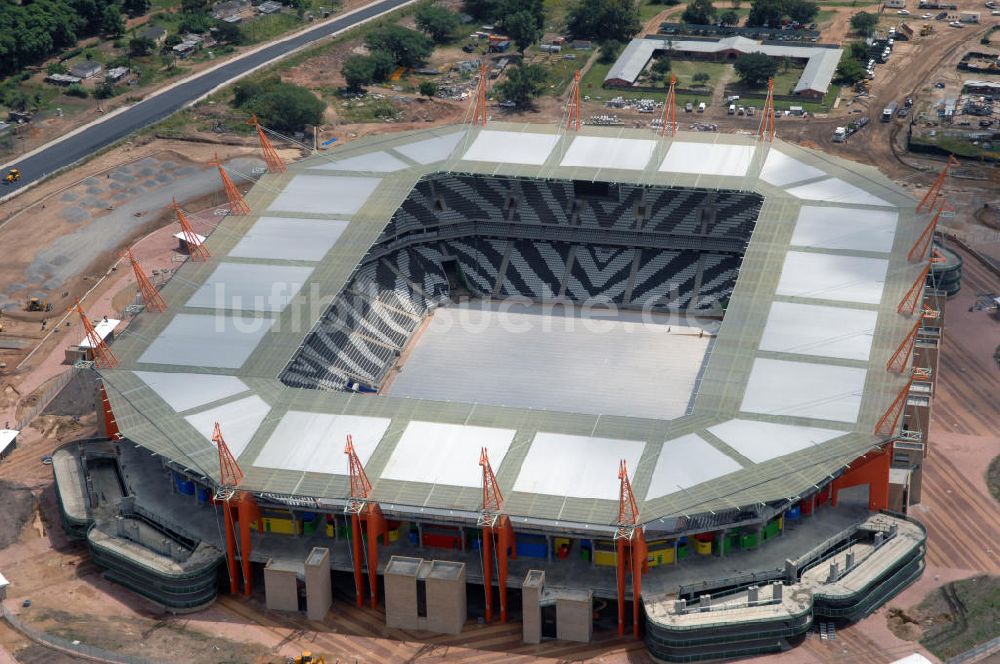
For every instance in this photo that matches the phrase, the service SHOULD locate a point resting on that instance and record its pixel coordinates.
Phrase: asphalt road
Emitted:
(71, 150)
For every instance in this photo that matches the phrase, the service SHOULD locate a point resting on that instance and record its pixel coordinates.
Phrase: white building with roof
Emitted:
(821, 61)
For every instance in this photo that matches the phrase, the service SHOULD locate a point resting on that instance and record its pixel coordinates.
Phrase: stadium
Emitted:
(719, 316)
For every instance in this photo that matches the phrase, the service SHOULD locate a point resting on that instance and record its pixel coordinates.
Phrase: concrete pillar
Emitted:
(680, 606)
(400, 581)
(531, 594)
(850, 561)
(879, 539)
(281, 591)
(319, 590)
(446, 606)
(704, 602)
(791, 571)
(720, 544)
(777, 590)
(575, 616)
(834, 572)
(752, 594)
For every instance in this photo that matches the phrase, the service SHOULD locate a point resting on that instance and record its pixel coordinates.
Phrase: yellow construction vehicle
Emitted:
(306, 658)
(36, 304)
(926, 29)
(13, 175)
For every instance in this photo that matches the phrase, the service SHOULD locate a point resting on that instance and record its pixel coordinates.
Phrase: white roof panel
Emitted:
(314, 442)
(809, 329)
(103, 328)
(845, 228)
(238, 420)
(184, 391)
(603, 152)
(207, 341)
(511, 147)
(250, 287)
(576, 466)
(707, 159)
(835, 190)
(374, 162)
(279, 238)
(804, 389)
(431, 150)
(833, 277)
(685, 462)
(762, 441)
(438, 453)
(780, 169)
(324, 194)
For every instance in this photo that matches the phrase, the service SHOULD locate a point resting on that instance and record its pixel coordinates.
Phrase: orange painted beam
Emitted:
(871, 469)
(359, 593)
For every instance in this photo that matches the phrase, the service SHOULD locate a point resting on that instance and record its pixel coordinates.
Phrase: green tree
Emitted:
(56, 68)
(140, 47)
(482, 10)
(112, 21)
(765, 13)
(135, 7)
(523, 29)
(849, 70)
(604, 19)
(384, 63)
(105, 91)
(358, 71)
(437, 21)
(864, 23)
(199, 22)
(524, 82)
(755, 68)
(609, 51)
(858, 50)
(699, 12)
(195, 6)
(661, 66)
(801, 11)
(283, 106)
(428, 88)
(409, 48)
(77, 90)
(701, 77)
(229, 33)
(534, 7)
(729, 18)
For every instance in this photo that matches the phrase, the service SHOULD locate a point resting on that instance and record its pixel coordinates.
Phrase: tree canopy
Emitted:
(408, 48)
(699, 12)
(358, 71)
(440, 23)
(755, 68)
(864, 23)
(281, 106)
(849, 70)
(604, 19)
(770, 13)
(729, 18)
(524, 82)
(523, 29)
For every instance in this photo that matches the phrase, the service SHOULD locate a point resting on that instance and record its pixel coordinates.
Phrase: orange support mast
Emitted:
(932, 194)
(495, 525)
(669, 117)
(151, 296)
(362, 508)
(271, 157)
(919, 249)
(196, 246)
(630, 543)
(104, 358)
(915, 294)
(479, 112)
(766, 129)
(237, 205)
(886, 426)
(573, 106)
(230, 496)
(901, 357)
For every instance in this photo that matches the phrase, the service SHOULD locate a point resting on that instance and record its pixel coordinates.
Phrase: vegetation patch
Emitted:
(993, 472)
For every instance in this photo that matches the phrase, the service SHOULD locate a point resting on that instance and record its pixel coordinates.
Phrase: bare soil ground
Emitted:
(18, 506)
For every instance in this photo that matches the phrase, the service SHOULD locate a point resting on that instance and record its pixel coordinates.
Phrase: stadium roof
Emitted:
(821, 62)
(791, 393)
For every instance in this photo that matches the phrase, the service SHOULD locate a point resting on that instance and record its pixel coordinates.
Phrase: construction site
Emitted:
(375, 375)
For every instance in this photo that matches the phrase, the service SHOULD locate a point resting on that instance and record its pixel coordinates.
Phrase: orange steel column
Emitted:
(110, 424)
(375, 524)
(766, 129)
(919, 248)
(104, 358)
(670, 109)
(640, 565)
(237, 206)
(506, 546)
(916, 292)
(573, 107)
(479, 114)
(271, 157)
(359, 593)
(234, 580)
(886, 426)
(620, 564)
(932, 194)
(248, 512)
(488, 571)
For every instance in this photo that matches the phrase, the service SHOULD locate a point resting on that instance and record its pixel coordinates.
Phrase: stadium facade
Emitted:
(752, 297)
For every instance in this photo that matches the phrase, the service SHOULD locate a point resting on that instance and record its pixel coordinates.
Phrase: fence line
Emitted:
(43, 401)
(71, 648)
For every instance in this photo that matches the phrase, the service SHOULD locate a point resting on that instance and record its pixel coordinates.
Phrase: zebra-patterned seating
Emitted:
(600, 273)
(535, 270)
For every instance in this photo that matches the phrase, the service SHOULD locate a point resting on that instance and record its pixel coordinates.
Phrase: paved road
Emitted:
(150, 111)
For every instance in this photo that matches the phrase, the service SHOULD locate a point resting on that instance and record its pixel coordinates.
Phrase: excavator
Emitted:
(13, 175)
(306, 658)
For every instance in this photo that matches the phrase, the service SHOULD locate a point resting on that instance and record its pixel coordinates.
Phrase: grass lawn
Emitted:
(684, 70)
(560, 69)
(962, 614)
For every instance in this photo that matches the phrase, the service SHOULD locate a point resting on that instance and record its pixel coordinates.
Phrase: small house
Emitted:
(84, 351)
(269, 7)
(86, 69)
(156, 34)
(895, 4)
(224, 10)
(62, 79)
(116, 74)
(185, 49)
